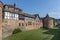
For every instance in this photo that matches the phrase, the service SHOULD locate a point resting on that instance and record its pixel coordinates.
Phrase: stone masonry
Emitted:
(12, 17)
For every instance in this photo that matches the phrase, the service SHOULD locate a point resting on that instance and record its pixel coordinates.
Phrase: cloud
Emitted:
(54, 15)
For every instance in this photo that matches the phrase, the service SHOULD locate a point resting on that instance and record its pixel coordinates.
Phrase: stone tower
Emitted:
(1, 7)
(48, 22)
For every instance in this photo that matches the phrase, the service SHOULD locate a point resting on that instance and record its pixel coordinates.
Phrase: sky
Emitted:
(41, 7)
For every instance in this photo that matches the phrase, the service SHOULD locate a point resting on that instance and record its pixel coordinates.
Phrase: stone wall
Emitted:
(9, 25)
(48, 23)
(0, 20)
(51, 24)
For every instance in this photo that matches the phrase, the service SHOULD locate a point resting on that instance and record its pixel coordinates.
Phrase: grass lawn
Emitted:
(40, 34)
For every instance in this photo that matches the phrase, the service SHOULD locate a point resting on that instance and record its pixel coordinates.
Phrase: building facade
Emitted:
(48, 22)
(12, 17)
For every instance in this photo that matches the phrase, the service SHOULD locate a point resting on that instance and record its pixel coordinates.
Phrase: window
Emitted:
(29, 18)
(26, 24)
(22, 24)
(37, 18)
(21, 18)
(12, 15)
(9, 15)
(29, 23)
(16, 16)
(6, 13)
(19, 24)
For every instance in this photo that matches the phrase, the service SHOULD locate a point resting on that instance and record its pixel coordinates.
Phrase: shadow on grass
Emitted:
(55, 32)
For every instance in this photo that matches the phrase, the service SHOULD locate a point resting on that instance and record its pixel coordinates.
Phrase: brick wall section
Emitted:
(48, 23)
(10, 25)
(0, 20)
(15, 24)
(0, 23)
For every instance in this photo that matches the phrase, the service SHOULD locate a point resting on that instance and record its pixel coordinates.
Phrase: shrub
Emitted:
(17, 31)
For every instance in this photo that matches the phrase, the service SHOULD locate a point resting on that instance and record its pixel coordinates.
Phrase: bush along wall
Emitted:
(17, 31)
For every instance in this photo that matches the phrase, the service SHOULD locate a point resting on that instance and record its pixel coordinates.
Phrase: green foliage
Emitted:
(17, 31)
(40, 34)
(30, 35)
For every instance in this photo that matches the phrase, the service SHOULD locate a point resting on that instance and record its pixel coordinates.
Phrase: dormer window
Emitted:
(37, 18)
(6, 7)
(17, 10)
